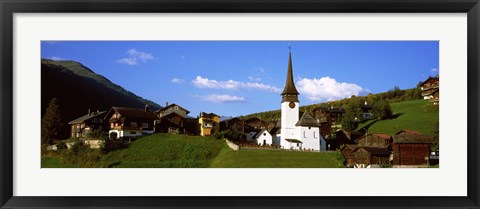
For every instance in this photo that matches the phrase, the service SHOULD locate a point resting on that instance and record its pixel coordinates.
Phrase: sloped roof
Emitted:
(290, 88)
(173, 112)
(294, 140)
(375, 150)
(275, 130)
(384, 136)
(86, 117)
(412, 139)
(350, 146)
(408, 131)
(204, 114)
(173, 104)
(307, 120)
(260, 132)
(430, 78)
(134, 113)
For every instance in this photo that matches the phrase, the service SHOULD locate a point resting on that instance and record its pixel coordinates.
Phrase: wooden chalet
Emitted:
(171, 119)
(431, 89)
(255, 124)
(83, 126)
(363, 157)
(130, 122)
(347, 151)
(343, 137)
(411, 148)
(375, 140)
(235, 124)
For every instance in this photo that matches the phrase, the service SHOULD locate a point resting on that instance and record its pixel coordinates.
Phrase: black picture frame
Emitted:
(10, 7)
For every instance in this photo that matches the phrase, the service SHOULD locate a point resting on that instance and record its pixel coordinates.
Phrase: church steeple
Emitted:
(290, 93)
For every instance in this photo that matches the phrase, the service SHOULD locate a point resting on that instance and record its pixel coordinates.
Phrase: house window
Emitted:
(144, 125)
(100, 120)
(314, 134)
(133, 124)
(94, 120)
(133, 132)
(304, 134)
(264, 134)
(112, 125)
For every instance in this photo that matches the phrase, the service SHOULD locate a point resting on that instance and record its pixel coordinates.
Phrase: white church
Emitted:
(299, 133)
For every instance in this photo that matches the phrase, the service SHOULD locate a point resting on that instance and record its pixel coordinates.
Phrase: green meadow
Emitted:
(419, 115)
(182, 151)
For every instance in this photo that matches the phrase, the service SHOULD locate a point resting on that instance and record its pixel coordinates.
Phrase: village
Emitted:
(310, 131)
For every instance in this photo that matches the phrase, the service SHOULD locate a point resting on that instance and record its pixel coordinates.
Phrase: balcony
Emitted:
(126, 128)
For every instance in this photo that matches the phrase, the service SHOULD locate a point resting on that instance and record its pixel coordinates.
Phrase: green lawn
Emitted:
(166, 151)
(181, 151)
(55, 162)
(418, 115)
(275, 159)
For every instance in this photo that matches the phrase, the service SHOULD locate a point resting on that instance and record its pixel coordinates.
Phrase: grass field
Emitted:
(166, 151)
(418, 115)
(275, 159)
(55, 162)
(181, 151)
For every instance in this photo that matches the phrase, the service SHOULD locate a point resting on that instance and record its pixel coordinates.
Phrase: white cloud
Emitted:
(254, 78)
(128, 61)
(177, 80)
(135, 56)
(201, 82)
(56, 58)
(222, 98)
(327, 88)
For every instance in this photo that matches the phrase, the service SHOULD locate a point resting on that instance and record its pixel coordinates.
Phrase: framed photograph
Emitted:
(264, 104)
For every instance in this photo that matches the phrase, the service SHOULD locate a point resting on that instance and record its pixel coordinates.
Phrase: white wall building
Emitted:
(301, 134)
(263, 138)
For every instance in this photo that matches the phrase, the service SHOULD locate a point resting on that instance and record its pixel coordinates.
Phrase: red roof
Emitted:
(408, 132)
(384, 136)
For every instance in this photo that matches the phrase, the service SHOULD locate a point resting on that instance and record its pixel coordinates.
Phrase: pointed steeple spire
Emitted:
(290, 93)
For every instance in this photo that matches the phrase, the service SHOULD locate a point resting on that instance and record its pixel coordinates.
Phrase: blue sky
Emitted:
(235, 78)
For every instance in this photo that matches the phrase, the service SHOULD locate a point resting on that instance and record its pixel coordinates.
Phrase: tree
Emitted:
(381, 109)
(51, 122)
(352, 115)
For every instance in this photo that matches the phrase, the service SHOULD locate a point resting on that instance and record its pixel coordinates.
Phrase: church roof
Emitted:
(294, 140)
(307, 120)
(290, 88)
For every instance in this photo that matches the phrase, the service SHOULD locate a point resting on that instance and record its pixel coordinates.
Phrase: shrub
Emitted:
(81, 155)
(113, 135)
(231, 135)
(112, 145)
(98, 134)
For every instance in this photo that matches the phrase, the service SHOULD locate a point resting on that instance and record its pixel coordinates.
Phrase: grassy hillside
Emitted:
(418, 115)
(181, 151)
(276, 159)
(166, 151)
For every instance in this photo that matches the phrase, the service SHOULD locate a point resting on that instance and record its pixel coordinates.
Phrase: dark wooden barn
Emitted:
(411, 149)
(365, 156)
